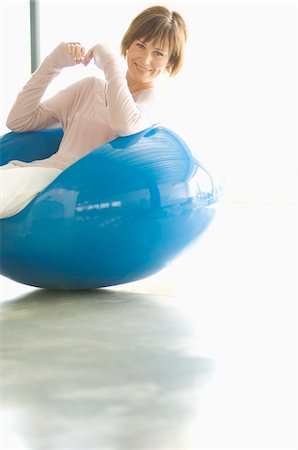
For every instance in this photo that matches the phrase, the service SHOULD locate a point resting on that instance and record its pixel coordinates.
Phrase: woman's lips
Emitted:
(142, 69)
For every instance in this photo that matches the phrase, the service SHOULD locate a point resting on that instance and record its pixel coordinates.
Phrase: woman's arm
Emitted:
(28, 113)
(126, 116)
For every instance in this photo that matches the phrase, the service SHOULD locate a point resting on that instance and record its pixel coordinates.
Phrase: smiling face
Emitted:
(145, 61)
(153, 43)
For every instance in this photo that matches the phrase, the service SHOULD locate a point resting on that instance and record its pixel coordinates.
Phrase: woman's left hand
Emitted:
(88, 56)
(101, 53)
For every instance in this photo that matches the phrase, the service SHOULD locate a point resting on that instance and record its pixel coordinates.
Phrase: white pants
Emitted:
(19, 185)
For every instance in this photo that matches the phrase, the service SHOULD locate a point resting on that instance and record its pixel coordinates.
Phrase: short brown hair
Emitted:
(160, 25)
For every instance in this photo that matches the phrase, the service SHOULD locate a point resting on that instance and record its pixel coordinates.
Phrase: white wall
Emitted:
(14, 52)
(235, 102)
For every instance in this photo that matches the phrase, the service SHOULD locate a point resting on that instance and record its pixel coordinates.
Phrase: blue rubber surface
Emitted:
(119, 214)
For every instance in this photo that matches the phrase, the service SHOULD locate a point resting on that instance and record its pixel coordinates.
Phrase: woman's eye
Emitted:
(159, 53)
(140, 45)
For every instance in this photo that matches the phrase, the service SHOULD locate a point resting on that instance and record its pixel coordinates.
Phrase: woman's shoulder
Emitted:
(154, 101)
(145, 96)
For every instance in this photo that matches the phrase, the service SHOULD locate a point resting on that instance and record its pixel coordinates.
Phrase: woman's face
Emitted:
(145, 62)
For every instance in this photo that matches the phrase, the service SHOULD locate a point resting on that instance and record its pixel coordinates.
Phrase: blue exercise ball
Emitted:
(117, 215)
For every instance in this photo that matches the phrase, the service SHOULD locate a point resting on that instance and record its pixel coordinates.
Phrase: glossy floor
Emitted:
(199, 356)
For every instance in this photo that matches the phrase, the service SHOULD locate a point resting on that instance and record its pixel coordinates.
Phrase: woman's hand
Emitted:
(78, 54)
(101, 53)
(77, 51)
(89, 55)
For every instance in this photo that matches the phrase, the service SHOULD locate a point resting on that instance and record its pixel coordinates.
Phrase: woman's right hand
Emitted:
(77, 51)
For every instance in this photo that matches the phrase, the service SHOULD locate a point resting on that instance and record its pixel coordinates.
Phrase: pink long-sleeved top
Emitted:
(91, 111)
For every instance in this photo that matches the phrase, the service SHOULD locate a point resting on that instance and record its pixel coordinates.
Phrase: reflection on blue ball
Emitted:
(119, 214)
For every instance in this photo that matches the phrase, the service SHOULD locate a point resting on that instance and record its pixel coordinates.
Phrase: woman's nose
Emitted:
(147, 59)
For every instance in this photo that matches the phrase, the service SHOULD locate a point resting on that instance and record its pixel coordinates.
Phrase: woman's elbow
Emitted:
(17, 125)
(122, 132)
(128, 129)
(11, 125)
(16, 129)
(14, 123)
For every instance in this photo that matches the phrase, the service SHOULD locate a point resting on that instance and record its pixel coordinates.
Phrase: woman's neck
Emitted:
(135, 86)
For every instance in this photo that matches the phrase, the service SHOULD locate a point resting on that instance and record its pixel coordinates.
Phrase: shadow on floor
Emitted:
(100, 369)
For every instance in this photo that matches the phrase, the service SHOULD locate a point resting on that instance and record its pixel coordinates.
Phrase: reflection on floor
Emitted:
(199, 356)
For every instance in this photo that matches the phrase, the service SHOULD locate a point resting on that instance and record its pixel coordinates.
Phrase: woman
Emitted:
(92, 111)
